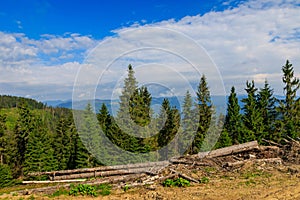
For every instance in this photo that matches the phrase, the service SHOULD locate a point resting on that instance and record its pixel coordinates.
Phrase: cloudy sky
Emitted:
(53, 50)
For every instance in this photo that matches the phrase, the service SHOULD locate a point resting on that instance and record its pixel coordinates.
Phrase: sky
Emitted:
(59, 50)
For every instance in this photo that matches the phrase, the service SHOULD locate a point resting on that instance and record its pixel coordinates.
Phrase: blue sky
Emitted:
(92, 17)
(45, 45)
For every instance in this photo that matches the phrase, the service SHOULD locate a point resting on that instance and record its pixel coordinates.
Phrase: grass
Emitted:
(179, 182)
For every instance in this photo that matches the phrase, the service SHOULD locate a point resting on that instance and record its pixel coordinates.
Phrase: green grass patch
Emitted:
(179, 182)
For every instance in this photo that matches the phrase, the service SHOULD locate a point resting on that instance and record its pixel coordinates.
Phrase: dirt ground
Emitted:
(249, 182)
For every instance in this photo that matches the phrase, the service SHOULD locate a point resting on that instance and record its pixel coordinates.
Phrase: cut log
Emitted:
(59, 181)
(268, 160)
(230, 150)
(104, 173)
(102, 168)
(186, 162)
(51, 189)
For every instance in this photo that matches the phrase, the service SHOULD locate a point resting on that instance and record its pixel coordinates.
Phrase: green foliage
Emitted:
(126, 188)
(39, 155)
(7, 101)
(24, 126)
(266, 105)
(104, 189)
(252, 118)
(289, 108)
(204, 180)
(84, 190)
(179, 182)
(205, 111)
(233, 121)
(88, 190)
(60, 191)
(189, 124)
(6, 178)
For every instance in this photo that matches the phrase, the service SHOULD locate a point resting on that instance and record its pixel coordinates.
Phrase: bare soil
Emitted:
(250, 181)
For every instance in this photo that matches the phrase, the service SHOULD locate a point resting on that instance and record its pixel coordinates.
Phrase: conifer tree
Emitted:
(3, 141)
(288, 107)
(171, 118)
(62, 143)
(39, 154)
(233, 120)
(88, 139)
(224, 140)
(125, 113)
(189, 124)
(266, 105)
(24, 126)
(252, 117)
(204, 109)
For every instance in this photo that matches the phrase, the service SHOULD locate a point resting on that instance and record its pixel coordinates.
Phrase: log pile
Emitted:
(133, 175)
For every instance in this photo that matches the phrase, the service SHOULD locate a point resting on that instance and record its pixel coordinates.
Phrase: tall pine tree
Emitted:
(205, 111)
(252, 117)
(24, 126)
(267, 107)
(289, 107)
(233, 125)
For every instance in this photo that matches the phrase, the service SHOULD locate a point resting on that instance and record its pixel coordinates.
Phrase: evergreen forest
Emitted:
(36, 137)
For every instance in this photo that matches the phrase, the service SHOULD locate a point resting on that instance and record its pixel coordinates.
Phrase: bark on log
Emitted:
(186, 162)
(185, 176)
(230, 150)
(104, 173)
(268, 160)
(58, 181)
(102, 168)
(51, 189)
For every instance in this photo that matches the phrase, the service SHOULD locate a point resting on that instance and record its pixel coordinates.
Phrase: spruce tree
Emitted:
(171, 120)
(62, 143)
(39, 154)
(24, 126)
(88, 139)
(252, 117)
(233, 121)
(224, 140)
(204, 109)
(267, 107)
(3, 141)
(189, 124)
(125, 113)
(288, 107)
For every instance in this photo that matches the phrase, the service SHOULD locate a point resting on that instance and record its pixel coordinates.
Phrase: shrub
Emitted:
(179, 182)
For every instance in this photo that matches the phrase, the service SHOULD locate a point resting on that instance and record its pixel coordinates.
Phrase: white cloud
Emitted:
(254, 38)
(248, 41)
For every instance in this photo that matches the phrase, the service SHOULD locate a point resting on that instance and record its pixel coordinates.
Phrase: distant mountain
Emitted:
(220, 102)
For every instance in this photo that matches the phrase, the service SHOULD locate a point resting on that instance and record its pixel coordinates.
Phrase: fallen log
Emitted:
(186, 162)
(105, 173)
(185, 176)
(58, 181)
(230, 150)
(51, 189)
(268, 160)
(101, 168)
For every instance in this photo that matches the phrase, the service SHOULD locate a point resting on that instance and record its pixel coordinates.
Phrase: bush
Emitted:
(179, 182)
(83, 189)
(6, 178)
